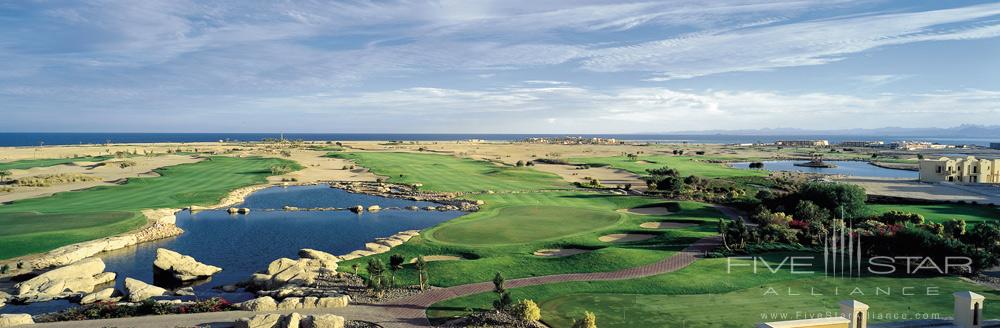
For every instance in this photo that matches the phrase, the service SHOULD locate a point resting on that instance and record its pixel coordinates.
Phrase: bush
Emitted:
(527, 310)
(589, 320)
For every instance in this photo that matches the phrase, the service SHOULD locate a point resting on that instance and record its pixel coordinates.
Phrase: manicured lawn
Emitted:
(41, 224)
(944, 212)
(526, 223)
(687, 165)
(30, 163)
(705, 294)
(449, 173)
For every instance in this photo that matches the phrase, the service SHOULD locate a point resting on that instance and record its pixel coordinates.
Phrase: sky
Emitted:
(508, 66)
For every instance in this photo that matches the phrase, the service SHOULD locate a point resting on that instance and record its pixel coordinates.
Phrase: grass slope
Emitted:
(45, 162)
(526, 223)
(687, 165)
(42, 224)
(944, 212)
(448, 173)
(696, 294)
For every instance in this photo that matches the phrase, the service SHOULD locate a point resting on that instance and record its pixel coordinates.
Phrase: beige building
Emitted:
(960, 170)
(802, 143)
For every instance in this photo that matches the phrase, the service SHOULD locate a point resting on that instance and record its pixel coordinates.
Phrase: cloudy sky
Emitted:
(496, 66)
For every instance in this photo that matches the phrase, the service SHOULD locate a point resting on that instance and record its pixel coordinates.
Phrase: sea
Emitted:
(16, 139)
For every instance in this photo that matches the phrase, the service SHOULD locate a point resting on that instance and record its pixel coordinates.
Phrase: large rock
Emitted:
(259, 304)
(11, 320)
(308, 253)
(323, 321)
(260, 321)
(139, 291)
(182, 267)
(76, 278)
(292, 320)
(103, 295)
(285, 271)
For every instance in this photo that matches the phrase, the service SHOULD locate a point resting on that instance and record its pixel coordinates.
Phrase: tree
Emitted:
(504, 302)
(355, 266)
(520, 163)
(589, 320)
(985, 235)
(421, 267)
(836, 197)
(955, 227)
(4, 174)
(395, 264)
(527, 310)
(808, 211)
(498, 283)
(501, 290)
(376, 273)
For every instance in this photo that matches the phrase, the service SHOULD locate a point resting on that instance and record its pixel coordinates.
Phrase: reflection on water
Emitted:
(852, 168)
(243, 244)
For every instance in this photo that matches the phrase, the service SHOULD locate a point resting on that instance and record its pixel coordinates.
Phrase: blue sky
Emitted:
(506, 66)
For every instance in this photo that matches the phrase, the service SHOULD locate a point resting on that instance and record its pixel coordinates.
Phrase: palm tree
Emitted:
(421, 267)
(395, 264)
(376, 270)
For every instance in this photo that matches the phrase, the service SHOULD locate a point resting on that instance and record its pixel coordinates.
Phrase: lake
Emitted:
(244, 244)
(852, 168)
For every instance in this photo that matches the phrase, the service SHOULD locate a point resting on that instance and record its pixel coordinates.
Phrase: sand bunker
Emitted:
(666, 225)
(560, 252)
(435, 258)
(653, 210)
(625, 237)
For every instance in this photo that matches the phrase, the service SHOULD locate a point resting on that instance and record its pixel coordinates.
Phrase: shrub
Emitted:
(589, 320)
(527, 310)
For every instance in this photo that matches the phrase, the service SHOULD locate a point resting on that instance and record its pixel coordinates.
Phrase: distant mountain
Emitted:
(963, 131)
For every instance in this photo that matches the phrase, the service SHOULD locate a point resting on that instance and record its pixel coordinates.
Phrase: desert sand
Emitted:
(666, 225)
(559, 252)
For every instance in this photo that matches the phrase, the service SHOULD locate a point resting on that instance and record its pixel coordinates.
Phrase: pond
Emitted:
(244, 244)
(852, 168)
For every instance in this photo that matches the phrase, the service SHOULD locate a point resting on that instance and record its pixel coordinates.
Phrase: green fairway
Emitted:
(526, 223)
(30, 163)
(686, 165)
(448, 173)
(41, 224)
(944, 212)
(695, 295)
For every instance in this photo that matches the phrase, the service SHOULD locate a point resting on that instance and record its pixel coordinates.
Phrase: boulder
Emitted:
(376, 248)
(243, 210)
(139, 291)
(229, 288)
(333, 302)
(358, 209)
(323, 321)
(104, 278)
(374, 208)
(259, 304)
(11, 320)
(186, 291)
(103, 295)
(292, 320)
(308, 253)
(232, 210)
(182, 267)
(75, 278)
(260, 321)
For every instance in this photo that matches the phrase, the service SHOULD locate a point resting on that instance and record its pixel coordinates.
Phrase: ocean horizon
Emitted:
(21, 139)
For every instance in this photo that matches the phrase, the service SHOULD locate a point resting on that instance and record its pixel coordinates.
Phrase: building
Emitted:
(802, 143)
(915, 145)
(995, 145)
(960, 170)
(862, 144)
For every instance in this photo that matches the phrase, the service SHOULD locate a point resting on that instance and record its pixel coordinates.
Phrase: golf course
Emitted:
(41, 224)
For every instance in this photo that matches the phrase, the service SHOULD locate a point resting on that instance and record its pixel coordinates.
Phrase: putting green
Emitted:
(522, 224)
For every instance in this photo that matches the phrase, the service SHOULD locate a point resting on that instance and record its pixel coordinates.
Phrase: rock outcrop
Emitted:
(301, 272)
(260, 304)
(308, 253)
(103, 295)
(11, 320)
(381, 245)
(312, 302)
(74, 279)
(182, 267)
(139, 291)
(374, 208)
(292, 320)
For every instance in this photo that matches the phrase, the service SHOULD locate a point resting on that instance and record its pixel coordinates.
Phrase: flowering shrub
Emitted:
(109, 310)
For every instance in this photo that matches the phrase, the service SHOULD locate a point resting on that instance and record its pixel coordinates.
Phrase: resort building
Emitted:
(802, 143)
(915, 145)
(862, 144)
(960, 170)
